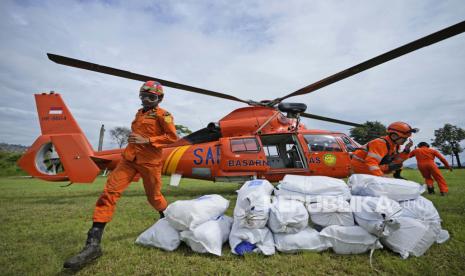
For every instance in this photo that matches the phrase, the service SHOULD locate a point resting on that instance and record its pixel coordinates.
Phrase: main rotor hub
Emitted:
(292, 109)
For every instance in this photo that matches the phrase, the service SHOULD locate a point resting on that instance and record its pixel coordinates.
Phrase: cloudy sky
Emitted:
(251, 49)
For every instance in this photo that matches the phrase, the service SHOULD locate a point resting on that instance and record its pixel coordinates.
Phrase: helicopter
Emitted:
(265, 139)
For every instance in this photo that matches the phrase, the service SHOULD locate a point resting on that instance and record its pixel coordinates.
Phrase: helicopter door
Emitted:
(283, 151)
(242, 154)
(326, 156)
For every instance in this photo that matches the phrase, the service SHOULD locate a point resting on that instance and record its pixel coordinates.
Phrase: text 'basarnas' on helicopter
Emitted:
(263, 140)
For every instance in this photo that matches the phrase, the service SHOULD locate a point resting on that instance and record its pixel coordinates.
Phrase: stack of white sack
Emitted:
(310, 189)
(423, 209)
(350, 239)
(199, 222)
(308, 239)
(408, 223)
(289, 223)
(245, 240)
(253, 204)
(289, 216)
(331, 211)
(378, 215)
(420, 227)
(249, 232)
(209, 236)
(395, 189)
(188, 214)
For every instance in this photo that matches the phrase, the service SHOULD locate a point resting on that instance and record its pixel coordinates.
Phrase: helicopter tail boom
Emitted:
(62, 152)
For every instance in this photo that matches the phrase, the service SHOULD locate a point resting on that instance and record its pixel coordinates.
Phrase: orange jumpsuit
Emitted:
(145, 159)
(375, 157)
(425, 159)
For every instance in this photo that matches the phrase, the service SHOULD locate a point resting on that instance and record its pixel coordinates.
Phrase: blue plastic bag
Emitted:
(244, 247)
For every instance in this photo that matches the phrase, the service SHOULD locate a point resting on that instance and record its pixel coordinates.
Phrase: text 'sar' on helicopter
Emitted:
(265, 139)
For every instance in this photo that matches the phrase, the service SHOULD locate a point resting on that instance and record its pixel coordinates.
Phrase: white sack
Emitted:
(287, 216)
(161, 235)
(395, 189)
(188, 214)
(311, 188)
(424, 210)
(262, 238)
(413, 237)
(253, 203)
(209, 236)
(307, 239)
(331, 211)
(350, 239)
(377, 215)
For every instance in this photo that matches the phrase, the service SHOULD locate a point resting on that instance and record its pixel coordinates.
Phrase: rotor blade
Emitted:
(407, 48)
(321, 118)
(133, 76)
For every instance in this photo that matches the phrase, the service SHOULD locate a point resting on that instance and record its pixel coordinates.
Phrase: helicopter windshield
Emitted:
(320, 142)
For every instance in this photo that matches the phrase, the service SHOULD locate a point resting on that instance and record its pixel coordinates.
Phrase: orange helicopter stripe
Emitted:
(175, 159)
(168, 160)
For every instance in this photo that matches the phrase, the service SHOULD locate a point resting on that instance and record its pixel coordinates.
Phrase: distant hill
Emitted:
(9, 154)
(12, 148)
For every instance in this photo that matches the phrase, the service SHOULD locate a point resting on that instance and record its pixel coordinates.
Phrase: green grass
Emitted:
(42, 224)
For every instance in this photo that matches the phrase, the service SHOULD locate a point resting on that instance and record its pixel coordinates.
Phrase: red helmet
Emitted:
(152, 87)
(402, 129)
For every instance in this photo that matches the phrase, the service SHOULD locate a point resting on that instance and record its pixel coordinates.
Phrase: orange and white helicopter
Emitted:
(263, 140)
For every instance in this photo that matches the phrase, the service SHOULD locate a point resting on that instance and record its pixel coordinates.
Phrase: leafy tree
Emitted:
(120, 135)
(367, 132)
(8, 165)
(182, 130)
(447, 140)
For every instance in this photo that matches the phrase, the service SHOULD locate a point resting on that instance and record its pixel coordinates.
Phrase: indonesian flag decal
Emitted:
(55, 111)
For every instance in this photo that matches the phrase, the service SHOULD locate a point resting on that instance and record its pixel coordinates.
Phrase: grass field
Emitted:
(42, 224)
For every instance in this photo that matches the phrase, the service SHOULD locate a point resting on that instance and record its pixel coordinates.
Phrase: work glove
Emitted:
(394, 166)
(408, 146)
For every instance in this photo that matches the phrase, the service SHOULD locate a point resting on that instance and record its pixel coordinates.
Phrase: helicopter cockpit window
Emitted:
(244, 144)
(322, 143)
(349, 145)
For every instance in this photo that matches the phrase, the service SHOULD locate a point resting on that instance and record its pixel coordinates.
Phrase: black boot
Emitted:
(430, 190)
(443, 193)
(161, 214)
(397, 175)
(90, 252)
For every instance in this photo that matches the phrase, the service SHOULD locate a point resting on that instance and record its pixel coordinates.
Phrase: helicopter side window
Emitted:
(244, 145)
(271, 151)
(322, 143)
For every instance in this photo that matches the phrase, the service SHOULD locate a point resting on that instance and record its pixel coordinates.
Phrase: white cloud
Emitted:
(250, 49)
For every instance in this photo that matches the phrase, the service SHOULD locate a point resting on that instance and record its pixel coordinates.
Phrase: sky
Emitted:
(250, 49)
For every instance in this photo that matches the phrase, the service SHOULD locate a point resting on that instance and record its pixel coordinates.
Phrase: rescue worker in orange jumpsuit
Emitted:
(425, 160)
(381, 156)
(152, 128)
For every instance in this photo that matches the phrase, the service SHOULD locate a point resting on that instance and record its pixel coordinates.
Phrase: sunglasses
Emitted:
(150, 96)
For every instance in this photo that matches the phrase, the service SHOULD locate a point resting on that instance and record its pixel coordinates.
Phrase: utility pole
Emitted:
(100, 141)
